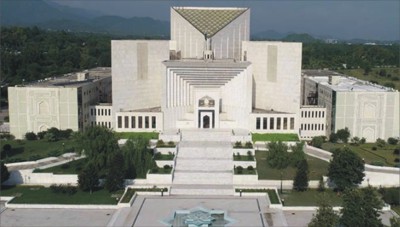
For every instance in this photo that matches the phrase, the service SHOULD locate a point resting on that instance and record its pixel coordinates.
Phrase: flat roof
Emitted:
(201, 63)
(71, 79)
(341, 82)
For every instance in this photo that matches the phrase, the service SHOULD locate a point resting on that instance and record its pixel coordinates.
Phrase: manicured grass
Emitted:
(310, 197)
(73, 167)
(273, 197)
(32, 150)
(243, 158)
(161, 170)
(128, 195)
(384, 155)
(146, 135)
(374, 75)
(316, 168)
(42, 195)
(245, 171)
(160, 156)
(274, 137)
(396, 209)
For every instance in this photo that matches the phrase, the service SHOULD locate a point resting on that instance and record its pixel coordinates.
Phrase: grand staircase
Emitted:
(204, 163)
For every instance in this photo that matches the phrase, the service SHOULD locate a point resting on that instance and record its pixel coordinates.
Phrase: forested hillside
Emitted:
(32, 54)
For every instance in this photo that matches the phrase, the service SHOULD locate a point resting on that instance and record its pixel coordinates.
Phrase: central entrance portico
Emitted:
(206, 112)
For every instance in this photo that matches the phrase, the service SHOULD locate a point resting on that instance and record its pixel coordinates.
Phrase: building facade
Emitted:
(61, 102)
(367, 110)
(209, 75)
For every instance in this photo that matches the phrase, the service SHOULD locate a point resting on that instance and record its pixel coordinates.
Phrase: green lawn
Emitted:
(73, 167)
(274, 137)
(160, 156)
(309, 197)
(316, 167)
(42, 195)
(146, 135)
(374, 75)
(159, 170)
(32, 150)
(396, 209)
(384, 155)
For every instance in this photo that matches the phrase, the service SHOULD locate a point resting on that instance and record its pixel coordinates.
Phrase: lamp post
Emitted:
(281, 181)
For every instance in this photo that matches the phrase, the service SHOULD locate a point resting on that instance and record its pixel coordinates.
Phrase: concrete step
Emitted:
(203, 177)
(204, 164)
(202, 190)
(206, 135)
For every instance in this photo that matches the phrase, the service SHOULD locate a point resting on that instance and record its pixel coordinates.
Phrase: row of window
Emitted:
(142, 122)
(312, 127)
(102, 123)
(312, 114)
(100, 112)
(269, 123)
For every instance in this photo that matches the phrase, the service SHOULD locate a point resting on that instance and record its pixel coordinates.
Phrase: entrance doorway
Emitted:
(206, 119)
(206, 122)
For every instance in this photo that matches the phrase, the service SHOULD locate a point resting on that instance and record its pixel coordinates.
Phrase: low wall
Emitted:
(245, 179)
(170, 137)
(165, 150)
(57, 206)
(157, 179)
(245, 164)
(243, 151)
(27, 177)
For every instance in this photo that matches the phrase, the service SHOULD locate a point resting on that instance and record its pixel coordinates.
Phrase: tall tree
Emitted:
(361, 207)
(278, 157)
(346, 169)
(300, 182)
(115, 173)
(138, 159)
(88, 179)
(98, 144)
(325, 216)
(5, 175)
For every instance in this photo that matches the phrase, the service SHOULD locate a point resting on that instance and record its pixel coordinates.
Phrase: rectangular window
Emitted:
(109, 124)
(126, 122)
(301, 127)
(119, 122)
(285, 123)
(109, 112)
(102, 112)
(140, 119)
(258, 123)
(312, 114)
(98, 112)
(91, 112)
(146, 122)
(153, 122)
(271, 123)
(302, 114)
(323, 114)
(278, 123)
(133, 122)
(292, 123)
(322, 126)
(265, 121)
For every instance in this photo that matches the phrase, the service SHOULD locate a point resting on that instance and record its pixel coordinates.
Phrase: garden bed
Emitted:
(275, 137)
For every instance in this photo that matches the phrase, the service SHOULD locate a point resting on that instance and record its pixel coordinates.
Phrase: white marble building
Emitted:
(367, 110)
(209, 75)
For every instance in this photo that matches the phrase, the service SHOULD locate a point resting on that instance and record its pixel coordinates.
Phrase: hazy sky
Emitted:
(377, 19)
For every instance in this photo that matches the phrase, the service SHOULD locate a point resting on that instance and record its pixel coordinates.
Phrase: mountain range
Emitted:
(52, 16)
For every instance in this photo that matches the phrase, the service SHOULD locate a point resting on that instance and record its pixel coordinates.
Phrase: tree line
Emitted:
(31, 54)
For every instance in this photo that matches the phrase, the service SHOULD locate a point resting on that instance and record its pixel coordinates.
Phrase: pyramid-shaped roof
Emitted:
(209, 21)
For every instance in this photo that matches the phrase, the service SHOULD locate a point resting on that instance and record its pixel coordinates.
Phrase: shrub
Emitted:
(239, 169)
(321, 184)
(41, 135)
(249, 155)
(392, 141)
(64, 189)
(248, 144)
(154, 170)
(377, 163)
(374, 148)
(157, 156)
(167, 167)
(51, 137)
(238, 144)
(396, 151)
(390, 195)
(7, 136)
(65, 166)
(343, 134)
(317, 141)
(380, 142)
(355, 140)
(250, 168)
(160, 143)
(363, 140)
(30, 136)
(333, 138)
(170, 143)
(396, 160)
